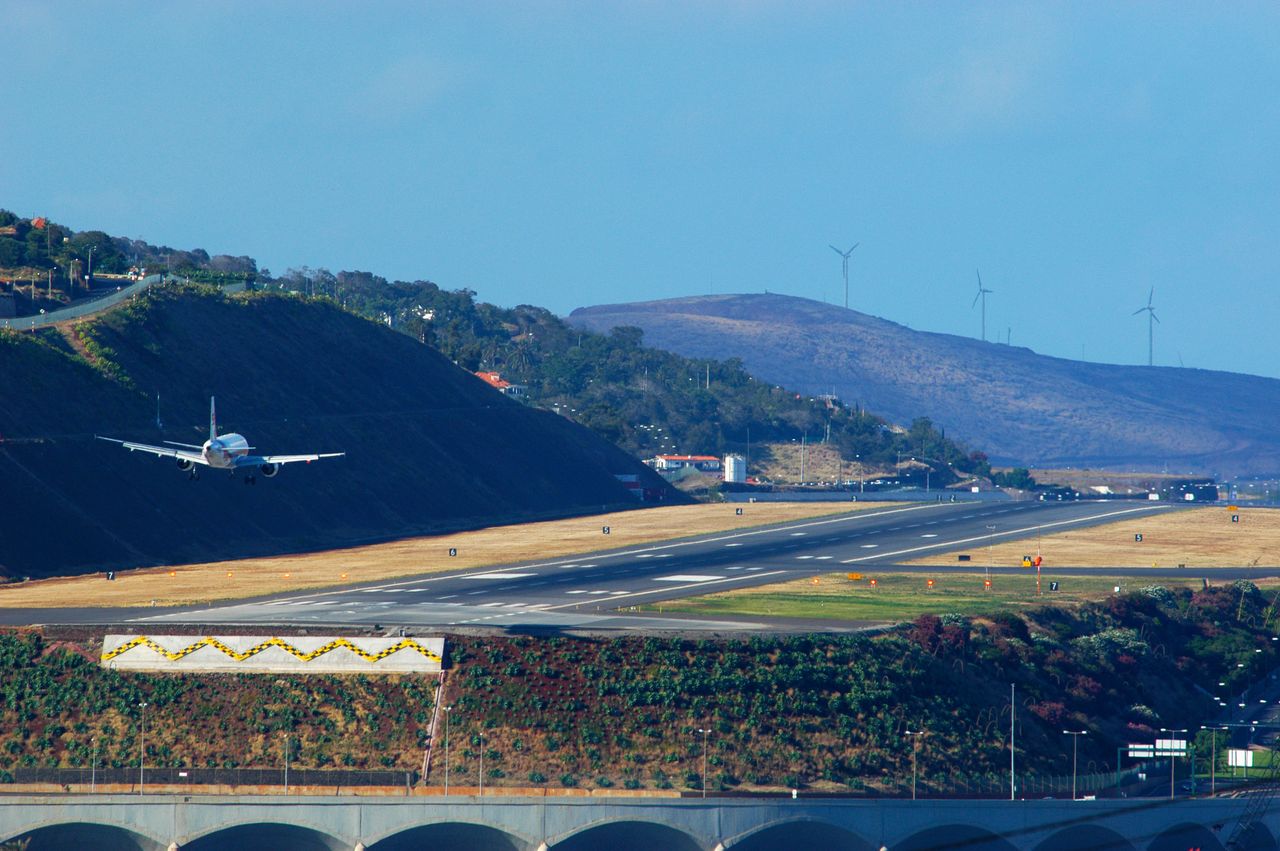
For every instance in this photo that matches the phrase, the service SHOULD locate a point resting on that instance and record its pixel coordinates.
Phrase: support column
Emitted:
(173, 846)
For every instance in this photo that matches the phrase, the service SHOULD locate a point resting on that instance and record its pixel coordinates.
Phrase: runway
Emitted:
(596, 591)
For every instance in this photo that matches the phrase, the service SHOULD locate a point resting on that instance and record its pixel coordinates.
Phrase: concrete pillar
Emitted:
(173, 846)
(360, 846)
(542, 847)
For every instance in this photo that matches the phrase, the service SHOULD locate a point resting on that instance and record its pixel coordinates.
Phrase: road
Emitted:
(596, 591)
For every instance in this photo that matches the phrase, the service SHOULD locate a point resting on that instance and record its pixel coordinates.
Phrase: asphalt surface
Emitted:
(598, 591)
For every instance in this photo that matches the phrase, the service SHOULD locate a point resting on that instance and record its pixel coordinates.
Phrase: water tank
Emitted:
(735, 468)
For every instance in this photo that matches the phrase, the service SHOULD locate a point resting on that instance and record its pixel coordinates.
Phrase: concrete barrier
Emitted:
(270, 654)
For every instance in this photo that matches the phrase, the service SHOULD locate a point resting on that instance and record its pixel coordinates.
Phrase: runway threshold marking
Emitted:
(1006, 533)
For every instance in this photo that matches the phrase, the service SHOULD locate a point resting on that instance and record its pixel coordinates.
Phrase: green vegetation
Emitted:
(642, 399)
(815, 710)
(902, 596)
(1018, 477)
(34, 247)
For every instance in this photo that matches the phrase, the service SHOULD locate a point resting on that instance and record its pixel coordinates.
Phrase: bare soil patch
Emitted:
(209, 582)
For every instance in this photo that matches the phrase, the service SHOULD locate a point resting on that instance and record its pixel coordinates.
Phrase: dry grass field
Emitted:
(203, 583)
(1197, 537)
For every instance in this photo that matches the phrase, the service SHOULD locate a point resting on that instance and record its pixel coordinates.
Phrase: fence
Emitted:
(210, 776)
(997, 785)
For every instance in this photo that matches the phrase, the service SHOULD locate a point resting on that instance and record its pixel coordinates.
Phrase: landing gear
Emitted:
(250, 480)
(193, 475)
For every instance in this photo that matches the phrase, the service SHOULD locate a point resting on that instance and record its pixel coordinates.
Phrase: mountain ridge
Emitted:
(1022, 407)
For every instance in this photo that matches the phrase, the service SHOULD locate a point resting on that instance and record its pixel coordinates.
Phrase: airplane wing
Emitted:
(159, 451)
(258, 460)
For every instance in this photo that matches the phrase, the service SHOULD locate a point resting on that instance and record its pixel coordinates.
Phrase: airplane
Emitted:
(224, 452)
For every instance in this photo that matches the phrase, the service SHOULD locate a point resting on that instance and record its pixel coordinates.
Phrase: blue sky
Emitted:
(566, 154)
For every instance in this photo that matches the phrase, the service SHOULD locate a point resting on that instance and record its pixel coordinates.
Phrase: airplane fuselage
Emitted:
(222, 451)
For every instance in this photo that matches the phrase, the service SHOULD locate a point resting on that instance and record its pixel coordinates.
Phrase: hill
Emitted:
(641, 397)
(1021, 407)
(429, 446)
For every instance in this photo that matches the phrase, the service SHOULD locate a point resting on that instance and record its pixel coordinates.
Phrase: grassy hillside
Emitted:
(429, 446)
(644, 399)
(828, 711)
(1020, 407)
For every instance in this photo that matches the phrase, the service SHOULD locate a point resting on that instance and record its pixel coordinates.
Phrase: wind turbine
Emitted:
(845, 268)
(982, 294)
(1151, 320)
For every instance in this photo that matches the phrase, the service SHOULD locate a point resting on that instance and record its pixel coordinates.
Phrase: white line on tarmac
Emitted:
(1006, 533)
(562, 562)
(737, 578)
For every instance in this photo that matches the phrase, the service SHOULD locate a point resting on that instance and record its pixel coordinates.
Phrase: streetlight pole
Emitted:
(1075, 751)
(142, 747)
(93, 767)
(482, 765)
(1172, 757)
(1213, 758)
(89, 272)
(446, 709)
(915, 747)
(704, 733)
(286, 763)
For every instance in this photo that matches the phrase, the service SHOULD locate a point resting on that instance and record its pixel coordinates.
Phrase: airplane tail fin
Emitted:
(213, 420)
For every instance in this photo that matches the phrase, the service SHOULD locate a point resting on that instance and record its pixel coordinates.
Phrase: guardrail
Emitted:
(97, 305)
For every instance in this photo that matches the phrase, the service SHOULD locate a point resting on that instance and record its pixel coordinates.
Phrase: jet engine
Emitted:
(269, 470)
(185, 464)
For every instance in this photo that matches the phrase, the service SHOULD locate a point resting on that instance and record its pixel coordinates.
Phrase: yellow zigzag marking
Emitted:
(210, 641)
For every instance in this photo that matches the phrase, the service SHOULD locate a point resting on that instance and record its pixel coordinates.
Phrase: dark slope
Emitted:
(430, 447)
(1019, 406)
